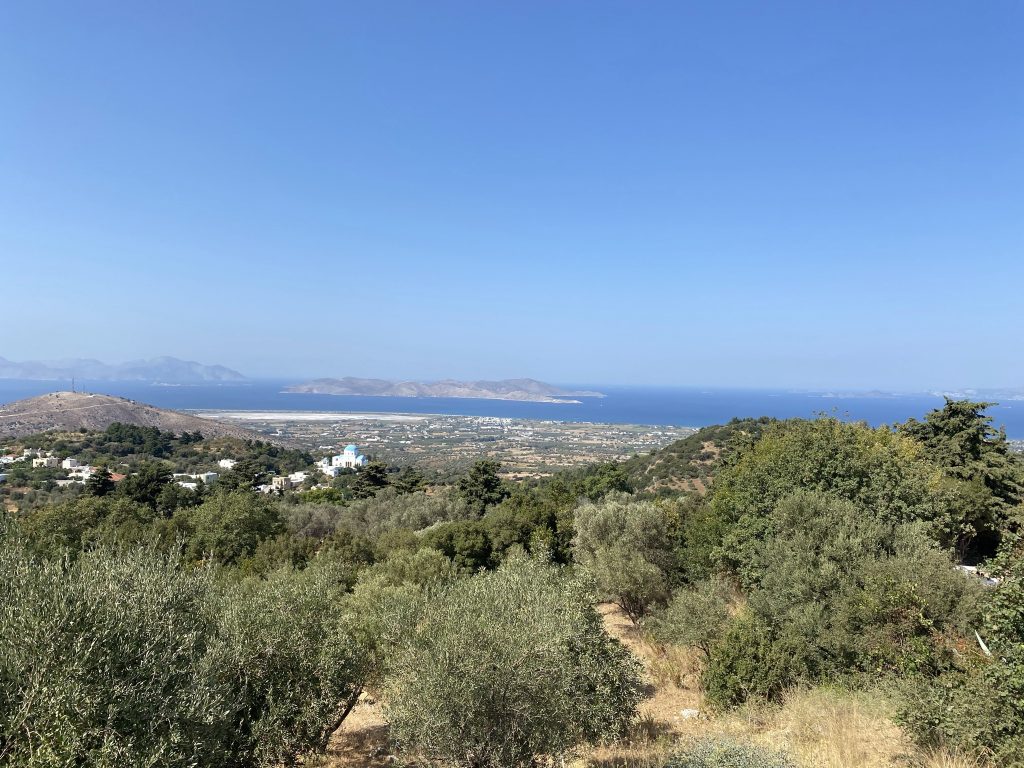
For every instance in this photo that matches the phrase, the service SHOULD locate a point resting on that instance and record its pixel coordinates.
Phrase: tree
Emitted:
(483, 487)
(370, 479)
(144, 485)
(696, 616)
(408, 480)
(246, 475)
(100, 483)
(130, 657)
(230, 525)
(506, 666)
(631, 549)
(960, 438)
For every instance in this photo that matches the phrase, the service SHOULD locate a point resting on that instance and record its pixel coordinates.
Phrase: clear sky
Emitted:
(694, 193)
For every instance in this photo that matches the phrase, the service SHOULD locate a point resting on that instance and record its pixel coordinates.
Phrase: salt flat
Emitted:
(306, 416)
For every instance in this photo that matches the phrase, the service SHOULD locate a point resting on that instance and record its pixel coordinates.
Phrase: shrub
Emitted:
(631, 548)
(723, 753)
(696, 616)
(230, 525)
(128, 658)
(835, 591)
(508, 665)
(293, 670)
(103, 662)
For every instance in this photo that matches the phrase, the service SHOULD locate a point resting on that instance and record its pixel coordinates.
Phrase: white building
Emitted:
(207, 477)
(298, 478)
(350, 458)
(46, 461)
(227, 463)
(69, 463)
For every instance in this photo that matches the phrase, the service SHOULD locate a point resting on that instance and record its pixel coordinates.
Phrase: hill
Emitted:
(71, 411)
(688, 464)
(528, 390)
(169, 370)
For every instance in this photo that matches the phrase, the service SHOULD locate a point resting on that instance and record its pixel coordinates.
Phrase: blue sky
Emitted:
(717, 193)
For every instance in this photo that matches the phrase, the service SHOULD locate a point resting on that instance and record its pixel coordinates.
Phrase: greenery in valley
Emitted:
(225, 621)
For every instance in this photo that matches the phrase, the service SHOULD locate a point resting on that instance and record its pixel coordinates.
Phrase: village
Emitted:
(72, 471)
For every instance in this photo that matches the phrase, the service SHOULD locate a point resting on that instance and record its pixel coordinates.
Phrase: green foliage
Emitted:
(69, 527)
(230, 525)
(145, 485)
(723, 753)
(127, 658)
(961, 440)
(832, 590)
(101, 483)
(981, 703)
(370, 479)
(508, 665)
(695, 456)
(465, 542)
(482, 487)
(695, 616)
(630, 547)
(293, 669)
(884, 474)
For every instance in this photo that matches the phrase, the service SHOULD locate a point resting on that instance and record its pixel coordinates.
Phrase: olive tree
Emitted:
(508, 665)
(631, 549)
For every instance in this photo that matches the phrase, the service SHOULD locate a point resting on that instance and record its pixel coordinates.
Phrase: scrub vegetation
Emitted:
(831, 594)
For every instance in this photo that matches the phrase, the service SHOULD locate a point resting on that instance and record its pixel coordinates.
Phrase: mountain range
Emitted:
(168, 370)
(508, 389)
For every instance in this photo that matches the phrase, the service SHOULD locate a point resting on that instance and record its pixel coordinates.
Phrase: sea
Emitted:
(675, 406)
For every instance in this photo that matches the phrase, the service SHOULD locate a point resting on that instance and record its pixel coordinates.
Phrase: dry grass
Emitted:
(819, 727)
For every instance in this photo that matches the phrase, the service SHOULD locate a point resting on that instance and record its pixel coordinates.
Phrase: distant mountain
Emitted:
(70, 411)
(508, 389)
(167, 370)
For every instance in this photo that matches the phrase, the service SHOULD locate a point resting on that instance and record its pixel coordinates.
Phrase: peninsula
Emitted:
(526, 390)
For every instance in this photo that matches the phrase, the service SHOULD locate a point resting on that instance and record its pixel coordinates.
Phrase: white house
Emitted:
(207, 477)
(46, 461)
(227, 463)
(69, 463)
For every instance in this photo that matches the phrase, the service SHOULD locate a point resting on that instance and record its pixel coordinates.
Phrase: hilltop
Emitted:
(71, 411)
(527, 390)
(168, 370)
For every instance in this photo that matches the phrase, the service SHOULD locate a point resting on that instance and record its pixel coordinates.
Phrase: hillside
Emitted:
(688, 464)
(528, 390)
(168, 370)
(70, 411)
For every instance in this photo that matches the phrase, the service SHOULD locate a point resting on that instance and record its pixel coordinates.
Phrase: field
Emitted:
(449, 444)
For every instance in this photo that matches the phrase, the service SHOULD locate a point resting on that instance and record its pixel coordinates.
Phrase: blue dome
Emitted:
(351, 449)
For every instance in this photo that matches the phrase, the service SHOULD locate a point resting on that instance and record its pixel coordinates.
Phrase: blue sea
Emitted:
(689, 407)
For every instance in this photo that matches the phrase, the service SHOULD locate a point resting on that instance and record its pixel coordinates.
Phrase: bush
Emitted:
(230, 525)
(722, 753)
(631, 549)
(293, 670)
(835, 591)
(981, 703)
(696, 616)
(508, 665)
(129, 658)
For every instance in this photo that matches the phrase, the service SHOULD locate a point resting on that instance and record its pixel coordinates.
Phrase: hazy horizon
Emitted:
(801, 195)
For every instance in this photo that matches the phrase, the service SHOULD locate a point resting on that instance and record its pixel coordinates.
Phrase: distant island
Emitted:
(526, 390)
(163, 370)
